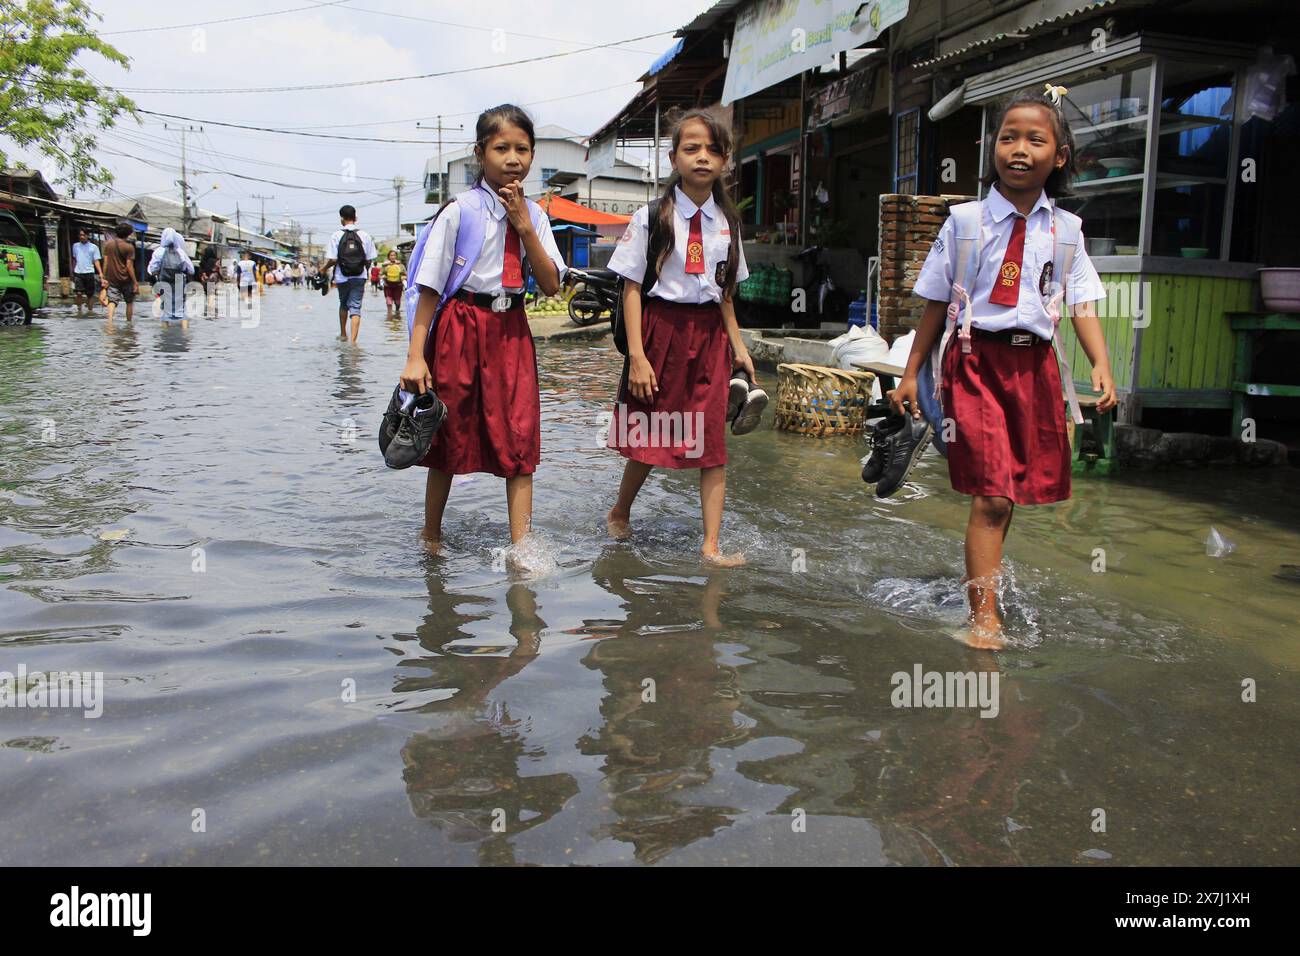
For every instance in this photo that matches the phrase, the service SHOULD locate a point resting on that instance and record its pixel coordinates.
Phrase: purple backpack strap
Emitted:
(469, 243)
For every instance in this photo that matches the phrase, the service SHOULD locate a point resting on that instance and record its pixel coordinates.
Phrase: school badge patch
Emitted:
(695, 254)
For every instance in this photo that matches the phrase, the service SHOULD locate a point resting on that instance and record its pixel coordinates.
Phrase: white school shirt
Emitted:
(673, 284)
(485, 276)
(332, 252)
(997, 217)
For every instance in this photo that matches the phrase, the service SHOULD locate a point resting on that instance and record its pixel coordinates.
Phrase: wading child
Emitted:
(682, 338)
(1001, 387)
(394, 280)
(471, 268)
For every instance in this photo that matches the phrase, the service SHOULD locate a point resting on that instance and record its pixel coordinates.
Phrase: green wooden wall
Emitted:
(1188, 343)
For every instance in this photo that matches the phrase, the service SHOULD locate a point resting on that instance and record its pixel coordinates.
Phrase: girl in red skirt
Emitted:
(682, 337)
(480, 361)
(1001, 386)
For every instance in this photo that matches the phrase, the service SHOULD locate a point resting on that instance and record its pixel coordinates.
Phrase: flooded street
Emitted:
(203, 516)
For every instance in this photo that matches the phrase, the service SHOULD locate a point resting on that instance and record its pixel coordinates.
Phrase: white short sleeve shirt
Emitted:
(997, 220)
(332, 251)
(485, 275)
(674, 284)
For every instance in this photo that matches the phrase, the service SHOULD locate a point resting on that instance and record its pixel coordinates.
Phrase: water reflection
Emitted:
(467, 775)
(669, 703)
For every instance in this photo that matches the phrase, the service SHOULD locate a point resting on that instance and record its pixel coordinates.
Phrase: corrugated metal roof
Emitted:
(667, 58)
(1017, 33)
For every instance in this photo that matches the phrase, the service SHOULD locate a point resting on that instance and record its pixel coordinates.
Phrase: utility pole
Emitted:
(239, 229)
(398, 183)
(185, 187)
(262, 230)
(310, 232)
(442, 166)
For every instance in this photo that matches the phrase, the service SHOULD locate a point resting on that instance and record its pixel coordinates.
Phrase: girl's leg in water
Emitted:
(436, 489)
(986, 530)
(620, 516)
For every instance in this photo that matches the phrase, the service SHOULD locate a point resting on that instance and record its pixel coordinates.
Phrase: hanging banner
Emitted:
(777, 39)
(600, 155)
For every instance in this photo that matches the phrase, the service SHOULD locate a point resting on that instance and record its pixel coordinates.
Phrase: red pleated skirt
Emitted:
(686, 425)
(484, 368)
(1010, 439)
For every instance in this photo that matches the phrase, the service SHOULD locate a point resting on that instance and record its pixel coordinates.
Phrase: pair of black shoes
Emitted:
(408, 427)
(745, 403)
(897, 442)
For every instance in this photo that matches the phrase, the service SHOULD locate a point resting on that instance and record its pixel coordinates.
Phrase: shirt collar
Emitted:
(1000, 207)
(686, 207)
(495, 207)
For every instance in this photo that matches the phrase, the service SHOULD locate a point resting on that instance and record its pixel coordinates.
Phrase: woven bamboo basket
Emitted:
(816, 400)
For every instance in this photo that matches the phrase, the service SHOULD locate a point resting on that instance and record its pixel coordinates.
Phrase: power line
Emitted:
(207, 23)
(271, 129)
(390, 79)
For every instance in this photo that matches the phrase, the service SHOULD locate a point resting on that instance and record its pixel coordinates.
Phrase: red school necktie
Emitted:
(1006, 287)
(695, 248)
(512, 276)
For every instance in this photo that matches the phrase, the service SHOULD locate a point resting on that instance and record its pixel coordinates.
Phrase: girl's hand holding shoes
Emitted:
(743, 360)
(416, 377)
(905, 392)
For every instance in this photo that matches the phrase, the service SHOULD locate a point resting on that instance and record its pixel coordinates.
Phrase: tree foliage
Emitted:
(48, 103)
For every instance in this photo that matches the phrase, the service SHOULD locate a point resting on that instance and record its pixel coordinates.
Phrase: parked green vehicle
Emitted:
(22, 276)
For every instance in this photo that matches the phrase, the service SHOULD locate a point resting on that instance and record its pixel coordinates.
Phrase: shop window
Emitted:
(1109, 115)
(906, 151)
(749, 190)
(1192, 163)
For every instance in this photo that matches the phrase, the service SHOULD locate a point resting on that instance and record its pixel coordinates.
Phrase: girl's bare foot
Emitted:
(719, 560)
(985, 630)
(432, 543)
(619, 524)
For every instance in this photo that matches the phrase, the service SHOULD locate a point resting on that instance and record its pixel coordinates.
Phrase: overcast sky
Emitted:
(348, 41)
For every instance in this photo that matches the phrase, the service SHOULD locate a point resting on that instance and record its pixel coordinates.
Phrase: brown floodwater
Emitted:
(202, 516)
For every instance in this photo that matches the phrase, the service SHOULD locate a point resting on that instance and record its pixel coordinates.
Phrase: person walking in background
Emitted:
(349, 254)
(168, 267)
(87, 273)
(210, 278)
(120, 283)
(394, 274)
(246, 276)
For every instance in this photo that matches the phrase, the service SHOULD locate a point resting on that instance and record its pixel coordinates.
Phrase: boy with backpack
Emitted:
(349, 254)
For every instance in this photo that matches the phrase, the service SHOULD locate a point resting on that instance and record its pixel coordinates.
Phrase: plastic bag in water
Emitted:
(1217, 546)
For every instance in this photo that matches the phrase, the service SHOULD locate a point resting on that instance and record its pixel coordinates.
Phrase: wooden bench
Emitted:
(1103, 460)
(1246, 327)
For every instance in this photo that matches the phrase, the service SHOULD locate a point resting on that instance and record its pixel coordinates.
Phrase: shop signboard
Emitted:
(777, 39)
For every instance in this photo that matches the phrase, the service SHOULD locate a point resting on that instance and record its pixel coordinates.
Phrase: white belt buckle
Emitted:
(501, 303)
(1022, 338)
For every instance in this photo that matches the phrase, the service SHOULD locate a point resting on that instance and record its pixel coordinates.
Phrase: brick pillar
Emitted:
(908, 226)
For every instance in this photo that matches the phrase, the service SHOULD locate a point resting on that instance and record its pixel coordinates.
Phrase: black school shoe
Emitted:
(738, 392)
(902, 452)
(881, 436)
(413, 434)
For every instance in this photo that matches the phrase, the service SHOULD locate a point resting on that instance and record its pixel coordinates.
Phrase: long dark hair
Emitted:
(1058, 180)
(661, 230)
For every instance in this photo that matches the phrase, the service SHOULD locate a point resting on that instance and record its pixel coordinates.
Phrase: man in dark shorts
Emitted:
(119, 271)
(86, 271)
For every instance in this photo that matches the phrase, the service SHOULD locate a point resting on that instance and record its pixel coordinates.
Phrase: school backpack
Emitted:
(474, 211)
(654, 248)
(170, 266)
(352, 254)
(968, 237)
